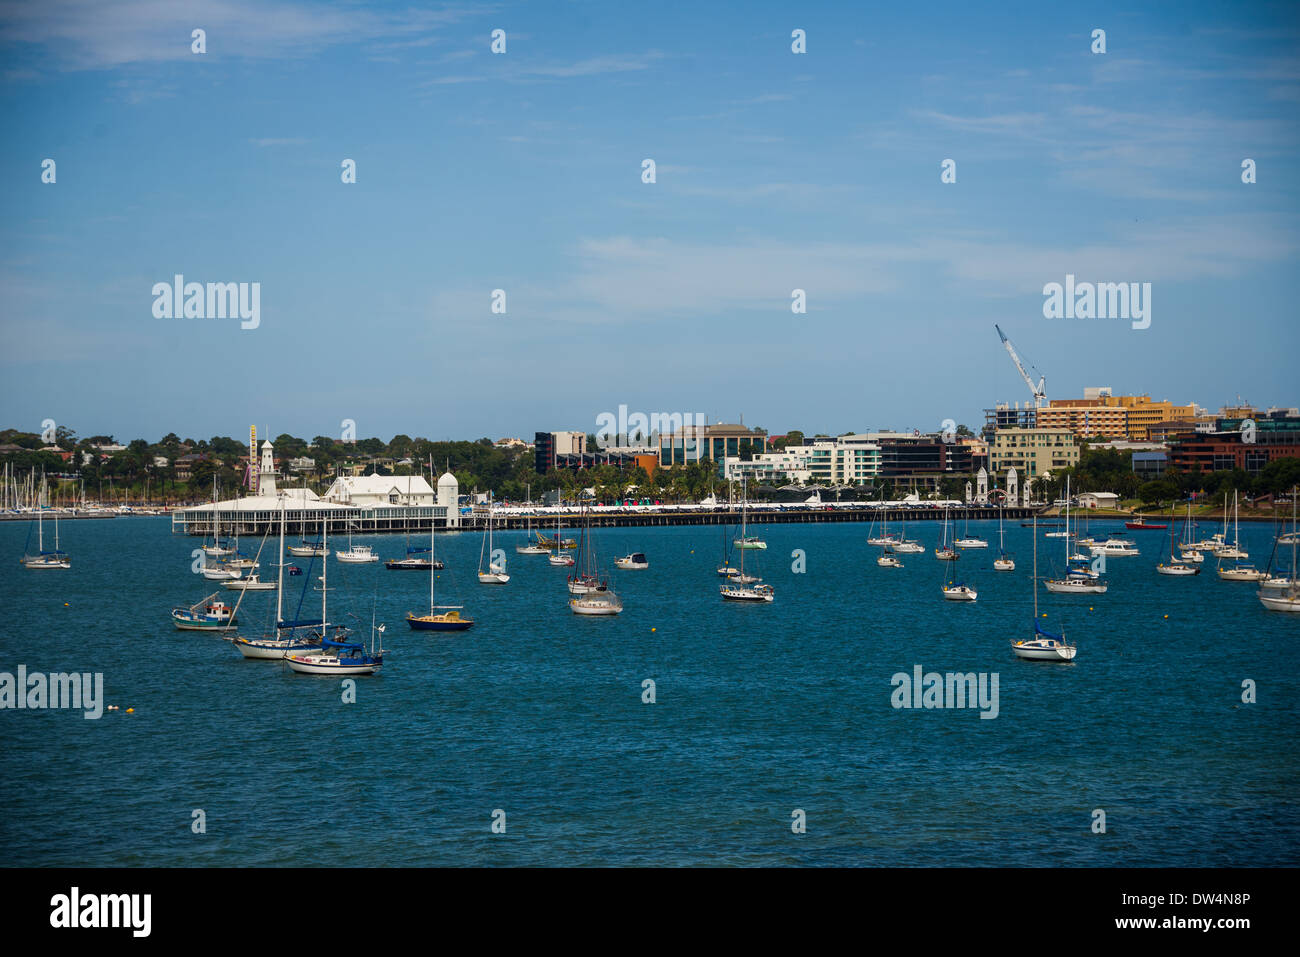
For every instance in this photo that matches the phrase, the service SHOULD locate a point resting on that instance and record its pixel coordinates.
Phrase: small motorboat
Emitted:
(357, 555)
(251, 583)
(635, 560)
(1004, 564)
(1142, 525)
(909, 548)
(750, 542)
(561, 561)
(1177, 568)
(208, 614)
(972, 542)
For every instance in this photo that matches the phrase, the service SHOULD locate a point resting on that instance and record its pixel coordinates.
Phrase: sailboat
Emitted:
(905, 545)
(1004, 562)
(584, 579)
(884, 537)
(286, 637)
(740, 587)
(496, 572)
(43, 560)
(1079, 578)
(559, 558)
(533, 545)
(252, 582)
(945, 552)
(1043, 646)
(725, 569)
(1179, 566)
(440, 617)
(339, 657)
(886, 558)
(1240, 571)
(217, 549)
(1282, 593)
(1188, 550)
(954, 590)
(418, 559)
(968, 540)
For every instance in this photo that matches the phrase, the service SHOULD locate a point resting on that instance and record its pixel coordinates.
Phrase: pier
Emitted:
(398, 520)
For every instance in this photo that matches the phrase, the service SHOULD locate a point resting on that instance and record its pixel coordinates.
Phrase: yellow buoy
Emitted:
(65, 604)
(654, 629)
(130, 710)
(1166, 616)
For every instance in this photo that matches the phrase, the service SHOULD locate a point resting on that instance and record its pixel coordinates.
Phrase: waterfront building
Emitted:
(1033, 453)
(714, 442)
(374, 489)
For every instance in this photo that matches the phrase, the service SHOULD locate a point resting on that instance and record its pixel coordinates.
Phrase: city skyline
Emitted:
(775, 171)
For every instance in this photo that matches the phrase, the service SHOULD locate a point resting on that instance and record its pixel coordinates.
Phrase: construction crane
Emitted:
(1040, 390)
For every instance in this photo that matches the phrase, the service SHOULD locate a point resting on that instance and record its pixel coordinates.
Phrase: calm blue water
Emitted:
(760, 710)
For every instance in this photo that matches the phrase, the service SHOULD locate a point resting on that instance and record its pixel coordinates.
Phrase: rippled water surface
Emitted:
(759, 711)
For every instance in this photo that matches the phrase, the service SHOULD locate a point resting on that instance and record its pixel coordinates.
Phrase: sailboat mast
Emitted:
(432, 556)
(325, 573)
(1035, 571)
(279, 582)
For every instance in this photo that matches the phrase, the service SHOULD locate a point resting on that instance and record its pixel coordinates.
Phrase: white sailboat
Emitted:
(1079, 578)
(559, 559)
(496, 571)
(968, 540)
(43, 560)
(1004, 562)
(1180, 567)
(945, 552)
(1282, 593)
(1043, 646)
(742, 588)
(275, 646)
(216, 549)
(533, 546)
(1239, 571)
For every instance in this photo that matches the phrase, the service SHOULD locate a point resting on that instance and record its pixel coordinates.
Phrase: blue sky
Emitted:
(522, 171)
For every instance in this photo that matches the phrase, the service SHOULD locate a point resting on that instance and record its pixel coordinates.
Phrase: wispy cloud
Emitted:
(517, 72)
(91, 35)
(279, 141)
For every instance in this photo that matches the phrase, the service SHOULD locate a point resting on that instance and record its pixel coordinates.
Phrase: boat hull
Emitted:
(272, 651)
(1039, 650)
(312, 665)
(1058, 587)
(439, 623)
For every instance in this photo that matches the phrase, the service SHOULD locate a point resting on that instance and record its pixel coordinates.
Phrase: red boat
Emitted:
(1141, 526)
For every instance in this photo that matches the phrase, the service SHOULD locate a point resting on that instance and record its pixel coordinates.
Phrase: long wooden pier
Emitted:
(393, 520)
